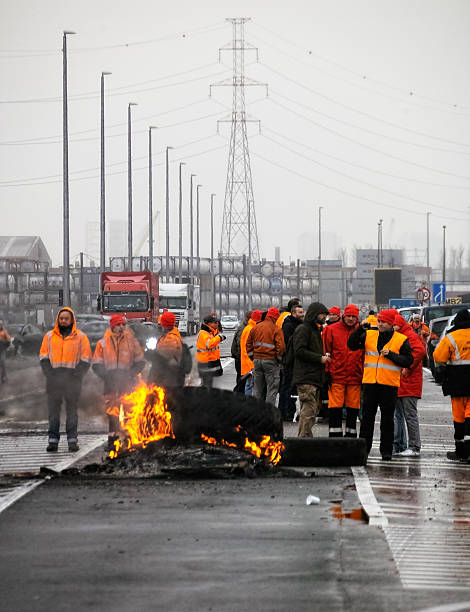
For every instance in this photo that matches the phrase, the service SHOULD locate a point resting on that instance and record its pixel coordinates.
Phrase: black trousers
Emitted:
(383, 397)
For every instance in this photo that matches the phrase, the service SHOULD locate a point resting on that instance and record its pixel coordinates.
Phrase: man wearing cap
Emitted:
(265, 346)
(344, 374)
(235, 351)
(118, 359)
(387, 352)
(334, 315)
(453, 354)
(208, 352)
(166, 359)
(309, 365)
(65, 357)
(420, 328)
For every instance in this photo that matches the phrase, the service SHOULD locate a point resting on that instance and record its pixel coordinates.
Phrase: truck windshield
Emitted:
(130, 302)
(172, 302)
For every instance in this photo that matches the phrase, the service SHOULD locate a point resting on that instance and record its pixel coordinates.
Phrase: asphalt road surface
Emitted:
(136, 544)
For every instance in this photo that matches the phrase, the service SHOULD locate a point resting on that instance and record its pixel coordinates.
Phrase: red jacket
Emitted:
(411, 381)
(346, 366)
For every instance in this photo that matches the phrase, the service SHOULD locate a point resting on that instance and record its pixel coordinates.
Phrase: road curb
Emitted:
(370, 505)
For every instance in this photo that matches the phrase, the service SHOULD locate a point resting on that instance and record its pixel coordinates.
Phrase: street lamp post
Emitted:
(191, 230)
(66, 210)
(150, 266)
(180, 227)
(444, 253)
(102, 184)
(212, 252)
(167, 216)
(427, 249)
(198, 259)
(320, 208)
(129, 184)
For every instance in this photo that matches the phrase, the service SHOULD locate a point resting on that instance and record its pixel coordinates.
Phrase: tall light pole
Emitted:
(427, 249)
(180, 226)
(320, 208)
(66, 210)
(151, 127)
(379, 243)
(191, 230)
(444, 253)
(102, 184)
(212, 252)
(167, 220)
(129, 184)
(250, 279)
(198, 260)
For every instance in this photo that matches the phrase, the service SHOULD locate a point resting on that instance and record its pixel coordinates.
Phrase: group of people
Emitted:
(359, 366)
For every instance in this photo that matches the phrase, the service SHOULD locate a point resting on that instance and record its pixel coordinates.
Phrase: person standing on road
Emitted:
(4, 344)
(334, 315)
(265, 346)
(236, 355)
(309, 365)
(247, 364)
(453, 354)
(286, 390)
(387, 352)
(344, 374)
(118, 359)
(420, 328)
(167, 359)
(411, 387)
(65, 357)
(372, 319)
(208, 352)
(286, 312)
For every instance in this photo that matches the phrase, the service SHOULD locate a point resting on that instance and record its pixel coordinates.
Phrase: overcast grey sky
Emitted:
(368, 115)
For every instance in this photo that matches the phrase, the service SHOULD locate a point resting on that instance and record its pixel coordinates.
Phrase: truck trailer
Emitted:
(183, 301)
(131, 294)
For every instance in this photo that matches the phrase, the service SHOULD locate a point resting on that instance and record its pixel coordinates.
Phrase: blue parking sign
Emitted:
(439, 293)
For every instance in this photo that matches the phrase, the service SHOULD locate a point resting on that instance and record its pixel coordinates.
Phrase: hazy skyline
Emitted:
(368, 115)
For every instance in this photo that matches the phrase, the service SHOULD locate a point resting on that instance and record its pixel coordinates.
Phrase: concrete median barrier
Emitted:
(324, 452)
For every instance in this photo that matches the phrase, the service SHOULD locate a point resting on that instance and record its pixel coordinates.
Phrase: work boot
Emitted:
(459, 453)
(52, 447)
(73, 446)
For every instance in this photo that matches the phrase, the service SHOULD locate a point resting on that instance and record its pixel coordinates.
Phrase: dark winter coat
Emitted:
(308, 349)
(289, 325)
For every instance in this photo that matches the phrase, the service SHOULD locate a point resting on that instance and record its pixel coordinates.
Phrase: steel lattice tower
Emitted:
(239, 230)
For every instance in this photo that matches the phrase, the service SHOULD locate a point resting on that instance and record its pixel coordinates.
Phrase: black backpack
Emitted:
(186, 359)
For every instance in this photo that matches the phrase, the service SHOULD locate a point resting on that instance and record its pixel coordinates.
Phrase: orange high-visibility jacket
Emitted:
(246, 363)
(207, 347)
(281, 318)
(171, 346)
(65, 352)
(377, 368)
(118, 352)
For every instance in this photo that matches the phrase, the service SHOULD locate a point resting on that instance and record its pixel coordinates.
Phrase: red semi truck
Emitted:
(132, 294)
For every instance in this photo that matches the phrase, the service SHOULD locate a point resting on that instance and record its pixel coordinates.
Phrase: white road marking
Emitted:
(367, 498)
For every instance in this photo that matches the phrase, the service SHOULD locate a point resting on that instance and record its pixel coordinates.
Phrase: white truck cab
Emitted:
(184, 302)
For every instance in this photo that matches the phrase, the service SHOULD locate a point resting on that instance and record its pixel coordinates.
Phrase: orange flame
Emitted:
(143, 416)
(267, 448)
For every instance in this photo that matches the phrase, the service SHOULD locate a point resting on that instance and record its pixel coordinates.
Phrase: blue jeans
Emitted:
(406, 419)
(400, 442)
(249, 385)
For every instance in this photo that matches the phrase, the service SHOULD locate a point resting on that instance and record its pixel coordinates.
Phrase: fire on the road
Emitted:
(143, 416)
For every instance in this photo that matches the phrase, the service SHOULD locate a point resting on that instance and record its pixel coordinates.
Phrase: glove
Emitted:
(222, 337)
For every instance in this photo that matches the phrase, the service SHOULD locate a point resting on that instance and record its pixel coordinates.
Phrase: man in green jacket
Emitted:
(309, 366)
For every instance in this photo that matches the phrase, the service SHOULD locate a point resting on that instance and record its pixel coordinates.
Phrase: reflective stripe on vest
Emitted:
(266, 344)
(377, 368)
(457, 360)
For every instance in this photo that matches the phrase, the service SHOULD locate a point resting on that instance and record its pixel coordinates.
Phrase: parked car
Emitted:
(94, 329)
(83, 319)
(146, 332)
(436, 327)
(409, 311)
(26, 339)
(229, 322)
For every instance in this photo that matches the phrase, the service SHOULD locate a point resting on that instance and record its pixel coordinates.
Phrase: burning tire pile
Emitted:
(193, 431)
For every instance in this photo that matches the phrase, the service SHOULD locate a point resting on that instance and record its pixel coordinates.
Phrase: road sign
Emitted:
(454, 300)
(423, 294)
(439, 293)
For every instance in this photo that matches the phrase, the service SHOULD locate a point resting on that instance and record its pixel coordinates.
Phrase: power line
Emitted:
(357, 111)
(92, 95)
(44, 52)
(365, 146)
(347, 193)
(408, 92)
(352, 178)
(355, 165)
